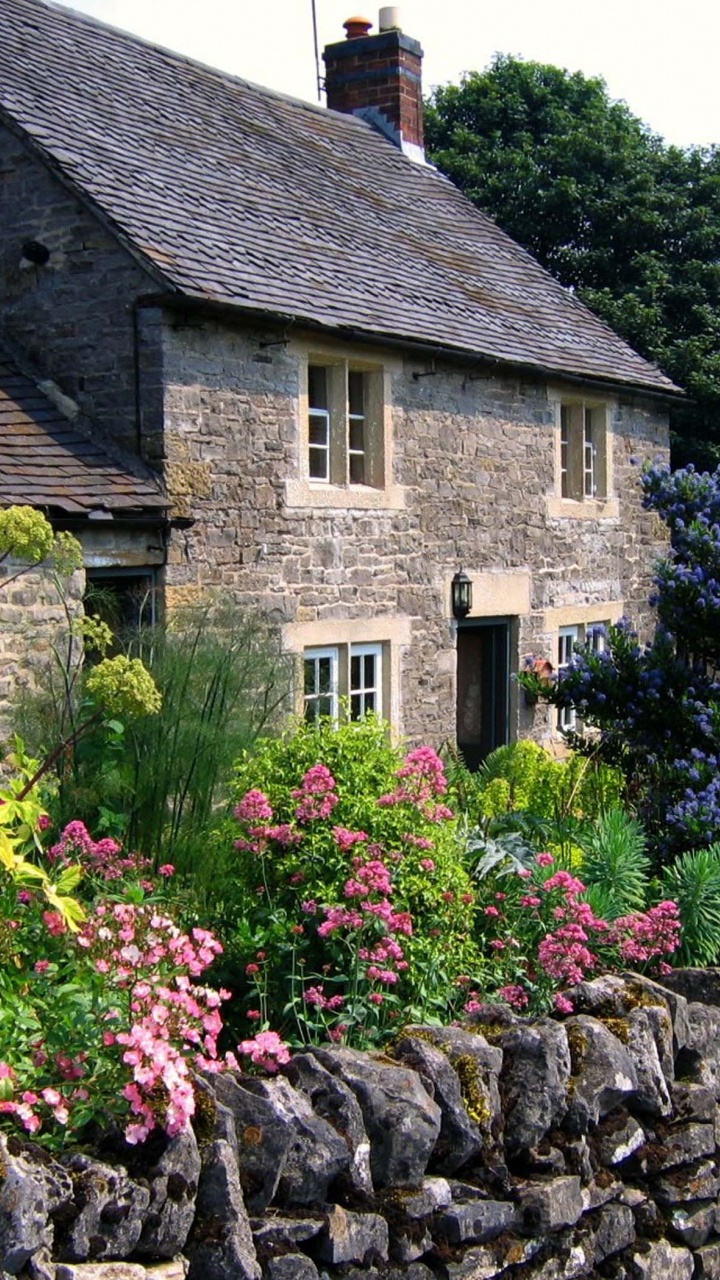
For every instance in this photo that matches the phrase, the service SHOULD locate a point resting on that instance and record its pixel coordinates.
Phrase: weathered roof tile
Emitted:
(46, 462)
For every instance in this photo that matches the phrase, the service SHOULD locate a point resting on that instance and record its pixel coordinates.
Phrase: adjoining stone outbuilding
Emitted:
(348, 382)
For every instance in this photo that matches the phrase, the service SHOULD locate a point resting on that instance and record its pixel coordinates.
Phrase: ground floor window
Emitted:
(568, 638)
(336, 673)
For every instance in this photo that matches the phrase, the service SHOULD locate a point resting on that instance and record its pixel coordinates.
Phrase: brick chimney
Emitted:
(379, 78)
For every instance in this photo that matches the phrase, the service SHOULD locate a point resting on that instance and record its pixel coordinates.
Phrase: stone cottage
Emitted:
(347, 381)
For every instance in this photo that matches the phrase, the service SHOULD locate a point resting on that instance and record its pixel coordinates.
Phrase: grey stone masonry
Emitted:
(474, 464)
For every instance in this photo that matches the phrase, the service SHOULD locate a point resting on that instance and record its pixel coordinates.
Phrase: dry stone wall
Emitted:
(542, 1149)
(33, 620)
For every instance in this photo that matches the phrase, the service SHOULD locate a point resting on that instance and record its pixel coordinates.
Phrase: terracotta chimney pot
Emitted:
(356, 28)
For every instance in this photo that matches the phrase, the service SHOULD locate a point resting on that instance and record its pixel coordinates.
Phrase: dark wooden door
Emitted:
(482, 689)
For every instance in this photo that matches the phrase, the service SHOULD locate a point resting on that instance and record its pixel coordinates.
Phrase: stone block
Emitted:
(549, 1205)
(475, 1222)
(352, 1237)
(663, 1261)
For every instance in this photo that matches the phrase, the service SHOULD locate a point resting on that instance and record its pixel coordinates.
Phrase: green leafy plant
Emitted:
(693, 880)
(615, 865)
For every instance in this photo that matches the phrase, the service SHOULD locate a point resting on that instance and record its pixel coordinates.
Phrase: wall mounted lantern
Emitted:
(461, 595)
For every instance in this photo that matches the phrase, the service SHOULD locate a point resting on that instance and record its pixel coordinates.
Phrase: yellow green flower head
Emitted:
(25, 533)
(124, 687)
(67, 554)
(95, 633)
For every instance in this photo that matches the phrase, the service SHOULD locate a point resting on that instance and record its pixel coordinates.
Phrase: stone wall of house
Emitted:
(527, 1149)
(474, 462)
(72, 317)
(32, 619)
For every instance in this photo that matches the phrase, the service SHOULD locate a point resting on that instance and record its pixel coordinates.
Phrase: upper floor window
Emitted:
(345, 425)
(583, 451)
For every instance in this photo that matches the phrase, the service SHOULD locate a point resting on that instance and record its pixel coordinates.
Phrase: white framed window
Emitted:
(318, 424)
(320, 683)
(568, 637)
(583, 451)
(351, 672)
(365, 680)
(345, 424)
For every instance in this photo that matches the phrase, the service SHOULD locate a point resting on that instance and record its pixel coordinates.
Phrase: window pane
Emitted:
(356, 392)
(356, 431)
(318, 429)
(324, 676)
(365, 677)
(318, 463)
(357, 468)
(317, 387)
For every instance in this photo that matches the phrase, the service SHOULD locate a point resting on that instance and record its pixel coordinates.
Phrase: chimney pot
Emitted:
(356, 28)
(389, 18)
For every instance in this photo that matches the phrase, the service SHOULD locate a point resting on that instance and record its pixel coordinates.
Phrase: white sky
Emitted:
(661, 58)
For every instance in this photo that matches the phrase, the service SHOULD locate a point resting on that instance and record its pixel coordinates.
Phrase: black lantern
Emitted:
(461, 595)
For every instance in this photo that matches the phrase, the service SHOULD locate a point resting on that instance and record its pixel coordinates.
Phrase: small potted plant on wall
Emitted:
(535, 678)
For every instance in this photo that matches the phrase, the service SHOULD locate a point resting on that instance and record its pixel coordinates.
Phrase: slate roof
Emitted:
(47, 462)
(244, 196)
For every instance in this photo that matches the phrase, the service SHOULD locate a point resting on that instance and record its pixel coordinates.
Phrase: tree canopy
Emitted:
(629, 222)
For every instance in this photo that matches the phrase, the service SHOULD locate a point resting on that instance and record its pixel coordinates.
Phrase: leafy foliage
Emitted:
(629, 223)
(693, 880)
(615, 865)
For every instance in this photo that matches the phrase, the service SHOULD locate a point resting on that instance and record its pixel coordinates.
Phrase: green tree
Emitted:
(630, 223)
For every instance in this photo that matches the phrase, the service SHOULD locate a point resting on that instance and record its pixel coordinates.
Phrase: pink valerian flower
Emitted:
(427, 864)
(514, 995)
(562, 1004)
(41, 966)
(284, 834)
(422, 780)
(309, 906)
(473, 1005)
(339, 918)
(530, 900)
(570, 885)
(167, 870)
(103, 858)
(491, 911)
(418, 842)
(254, 807)
(646, 935)
(316, 796)
(345, 839)
(564, 956)
(376, 997)
(316, 996)
(266, 1050)
(544, 859)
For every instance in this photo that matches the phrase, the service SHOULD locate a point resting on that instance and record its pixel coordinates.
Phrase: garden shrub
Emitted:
(540, 935)
(351, 900)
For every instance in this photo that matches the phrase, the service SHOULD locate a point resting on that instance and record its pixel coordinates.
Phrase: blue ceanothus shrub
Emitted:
(658, 705)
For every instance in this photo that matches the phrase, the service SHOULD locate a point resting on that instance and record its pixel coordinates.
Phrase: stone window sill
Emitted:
(587, 509)
(301, 493)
